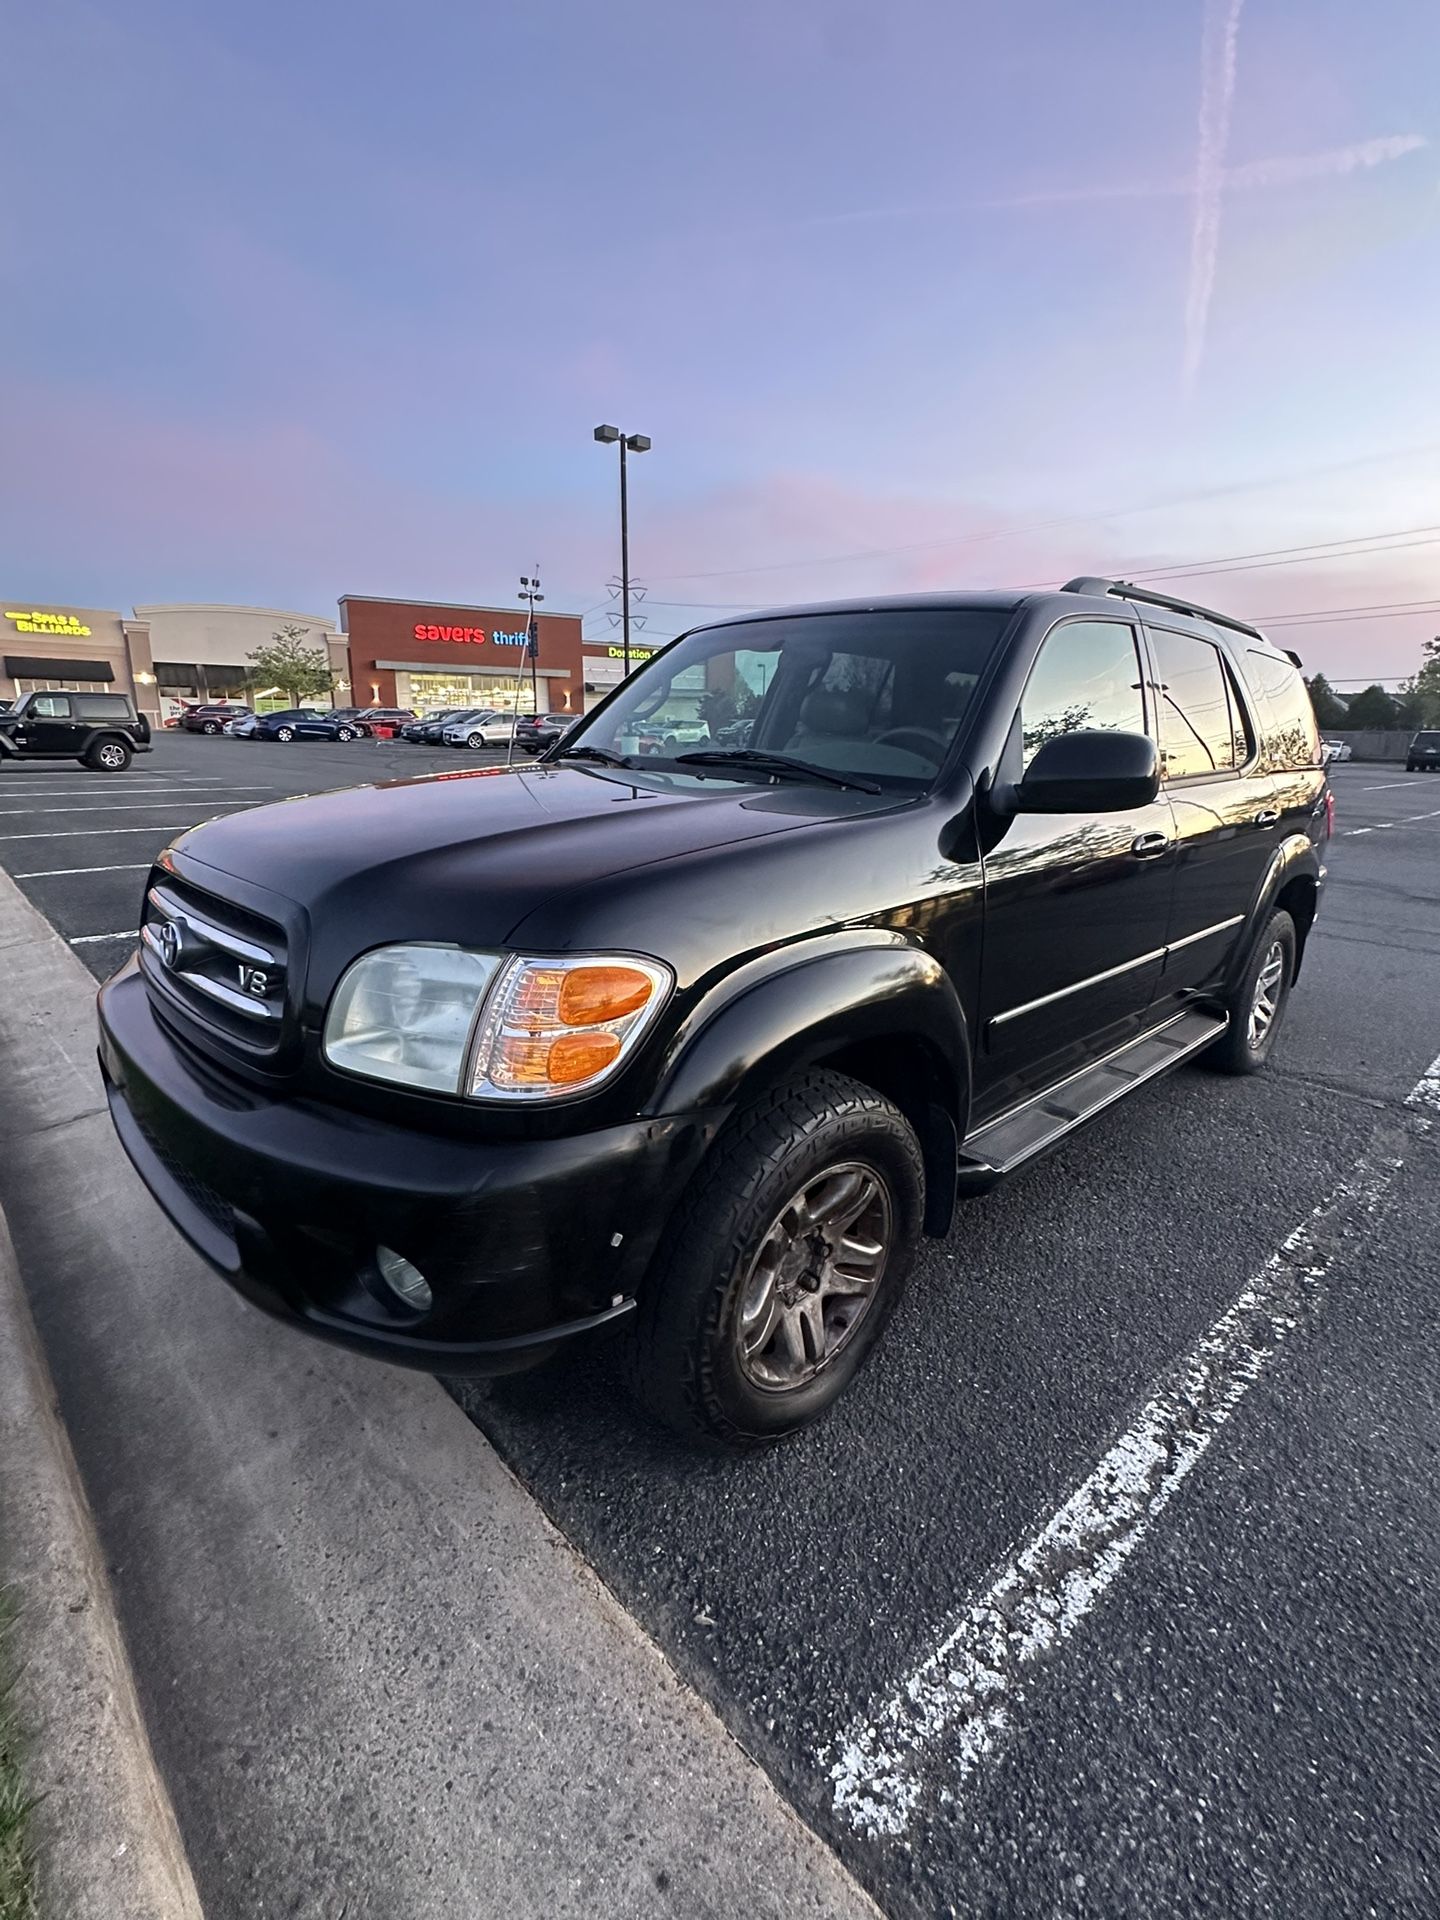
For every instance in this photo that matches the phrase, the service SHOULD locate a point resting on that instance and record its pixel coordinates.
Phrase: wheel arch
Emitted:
(882, 1011)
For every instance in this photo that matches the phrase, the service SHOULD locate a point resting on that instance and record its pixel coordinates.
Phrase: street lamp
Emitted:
(631, 443)
(531, 594)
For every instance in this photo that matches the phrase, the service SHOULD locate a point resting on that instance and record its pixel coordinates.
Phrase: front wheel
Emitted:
(346, 733)
(211, 726)
(476, 740)
(782, 1265)
(1258, 1003)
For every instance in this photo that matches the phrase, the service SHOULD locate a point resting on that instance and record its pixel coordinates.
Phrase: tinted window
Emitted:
(880, 693)
(1196, 728)
(1426, 740)
(1292, 738)
(50, 706)
(102, 706)
(1087, 676)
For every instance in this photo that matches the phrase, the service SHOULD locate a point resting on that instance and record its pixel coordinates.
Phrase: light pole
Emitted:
(531, 594)
(632, 443)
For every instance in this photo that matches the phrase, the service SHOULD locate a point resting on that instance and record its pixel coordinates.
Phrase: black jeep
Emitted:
(100, 730)
(455, 1069)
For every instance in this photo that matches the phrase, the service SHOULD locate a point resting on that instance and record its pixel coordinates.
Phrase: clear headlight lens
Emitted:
(407, 1013)
(495, 1029)
(559, 1026)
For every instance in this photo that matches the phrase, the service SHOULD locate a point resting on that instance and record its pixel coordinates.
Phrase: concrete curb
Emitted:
(108, 1844)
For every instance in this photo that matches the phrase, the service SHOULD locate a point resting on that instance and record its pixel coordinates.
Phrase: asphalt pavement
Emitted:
(1240, 1717)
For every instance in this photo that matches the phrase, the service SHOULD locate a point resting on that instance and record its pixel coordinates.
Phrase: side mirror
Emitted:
(1091, 772)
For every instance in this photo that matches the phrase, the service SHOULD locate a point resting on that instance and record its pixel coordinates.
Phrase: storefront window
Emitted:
(60, 686)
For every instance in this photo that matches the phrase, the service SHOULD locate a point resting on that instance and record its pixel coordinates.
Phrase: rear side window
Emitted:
(1198, 724)
(1087, 676)
(102, 706)
(1292, 738)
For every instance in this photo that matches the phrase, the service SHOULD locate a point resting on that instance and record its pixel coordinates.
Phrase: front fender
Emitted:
(805, 1005)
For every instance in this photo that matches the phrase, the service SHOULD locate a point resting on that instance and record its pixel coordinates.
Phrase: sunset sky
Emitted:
(308, 299)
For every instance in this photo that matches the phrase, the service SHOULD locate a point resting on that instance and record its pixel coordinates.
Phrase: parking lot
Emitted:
(1218, 1689)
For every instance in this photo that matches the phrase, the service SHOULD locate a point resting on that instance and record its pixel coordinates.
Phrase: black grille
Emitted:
(224, 966)
(216, 1210)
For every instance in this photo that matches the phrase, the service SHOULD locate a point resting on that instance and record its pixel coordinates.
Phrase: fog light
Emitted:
(404, 1280)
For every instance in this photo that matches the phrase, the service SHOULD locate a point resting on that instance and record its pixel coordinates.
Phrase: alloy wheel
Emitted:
(112, 756)
(1269, 985)
(815, 1277)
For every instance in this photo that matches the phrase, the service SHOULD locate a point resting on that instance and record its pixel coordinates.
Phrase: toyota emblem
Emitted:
(170, 942)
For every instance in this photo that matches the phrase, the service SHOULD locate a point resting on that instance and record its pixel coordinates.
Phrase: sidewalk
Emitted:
(378, 1683)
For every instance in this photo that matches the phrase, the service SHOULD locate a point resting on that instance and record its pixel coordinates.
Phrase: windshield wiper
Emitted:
(779, 764)
(603, 754)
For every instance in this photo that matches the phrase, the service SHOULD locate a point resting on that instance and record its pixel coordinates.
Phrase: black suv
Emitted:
(100, 730)
(454, 1069)
(1423, 752)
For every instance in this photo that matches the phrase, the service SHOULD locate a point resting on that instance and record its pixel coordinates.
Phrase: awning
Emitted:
(24, 666)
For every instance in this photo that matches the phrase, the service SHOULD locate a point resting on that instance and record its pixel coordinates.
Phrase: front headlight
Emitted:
(493, 1029)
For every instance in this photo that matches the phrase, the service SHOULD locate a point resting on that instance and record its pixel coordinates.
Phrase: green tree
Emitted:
(1372, 708)
(1329, 712)
(1420, 697)
(292, 664)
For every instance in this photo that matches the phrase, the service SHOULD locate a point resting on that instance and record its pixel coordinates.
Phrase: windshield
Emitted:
(879, 695)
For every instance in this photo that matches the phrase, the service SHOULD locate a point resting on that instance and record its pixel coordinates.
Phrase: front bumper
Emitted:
(524, 1243)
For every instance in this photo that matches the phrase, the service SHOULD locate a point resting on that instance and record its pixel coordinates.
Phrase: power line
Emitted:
(1064, 520)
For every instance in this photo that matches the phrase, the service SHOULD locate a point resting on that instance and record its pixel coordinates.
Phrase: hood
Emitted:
(466, 856)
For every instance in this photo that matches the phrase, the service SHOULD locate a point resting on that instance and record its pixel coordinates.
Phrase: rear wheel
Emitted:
(1258, 1003)
(211, 726)
(108, 756)
(284, 733)
(783, 1264)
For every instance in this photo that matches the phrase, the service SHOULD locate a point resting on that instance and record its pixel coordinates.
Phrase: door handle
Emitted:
(1147, 846)
(1267, 816)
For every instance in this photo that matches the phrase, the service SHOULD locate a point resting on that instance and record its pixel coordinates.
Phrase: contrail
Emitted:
(1217, 93)
(1288, 171)
(1283, 171)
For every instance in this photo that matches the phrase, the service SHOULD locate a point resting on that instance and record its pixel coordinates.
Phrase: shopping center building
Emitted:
(202, 651)
(427, 654)
(79, 649)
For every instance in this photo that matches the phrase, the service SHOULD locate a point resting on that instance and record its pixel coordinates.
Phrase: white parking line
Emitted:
(104, 833)
(121, 806)
(56, 873)
(971, 1687)
(89, 939)
(1390, 786)
(1352, 833)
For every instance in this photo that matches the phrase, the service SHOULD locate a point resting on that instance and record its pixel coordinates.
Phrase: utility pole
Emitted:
(632, 443)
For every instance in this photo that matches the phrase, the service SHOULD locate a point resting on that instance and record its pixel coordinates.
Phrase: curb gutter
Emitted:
(106, 1838)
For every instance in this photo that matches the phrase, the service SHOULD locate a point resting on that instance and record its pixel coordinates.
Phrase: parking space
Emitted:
(81, 843)
(1097, 1594)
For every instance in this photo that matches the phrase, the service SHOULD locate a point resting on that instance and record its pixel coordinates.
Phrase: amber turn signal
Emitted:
(589, 995)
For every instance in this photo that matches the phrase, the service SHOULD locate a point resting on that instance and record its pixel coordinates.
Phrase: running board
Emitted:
(1002, 1145)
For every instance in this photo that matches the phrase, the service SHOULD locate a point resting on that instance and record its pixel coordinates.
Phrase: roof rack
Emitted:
(1091, 583)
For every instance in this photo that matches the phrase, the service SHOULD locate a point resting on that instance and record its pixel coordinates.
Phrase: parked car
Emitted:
(536, 731)
(486, 727)
(706, 1043)
(426, 731)
(100, 730)
(670, 735)
(385, 719)
(1336, 750)
(298, 723)
(1423, 753)
(211, 716)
